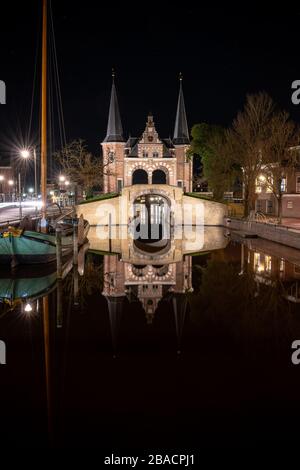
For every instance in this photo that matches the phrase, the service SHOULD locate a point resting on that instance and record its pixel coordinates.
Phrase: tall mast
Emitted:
(44, 120)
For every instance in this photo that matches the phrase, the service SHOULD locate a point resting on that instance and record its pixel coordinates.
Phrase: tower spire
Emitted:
(181, 131)
(114, 127)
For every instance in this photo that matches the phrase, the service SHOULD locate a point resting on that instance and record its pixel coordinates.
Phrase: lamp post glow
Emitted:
(28, 308)
(25, 153)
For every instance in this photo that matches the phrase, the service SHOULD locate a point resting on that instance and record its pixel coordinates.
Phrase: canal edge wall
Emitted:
(276, 233)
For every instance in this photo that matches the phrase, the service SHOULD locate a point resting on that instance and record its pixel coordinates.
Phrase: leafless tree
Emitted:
(279, 155)
(81, 166)
(246, 140)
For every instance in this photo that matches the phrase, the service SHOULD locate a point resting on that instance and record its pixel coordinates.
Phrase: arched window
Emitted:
(159, 177)
(140, 177)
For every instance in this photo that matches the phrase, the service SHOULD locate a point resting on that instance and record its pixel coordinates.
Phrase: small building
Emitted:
(267, 203)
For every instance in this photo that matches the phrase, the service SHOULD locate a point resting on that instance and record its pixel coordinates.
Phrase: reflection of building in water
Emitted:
(148, 284)
(269, 268)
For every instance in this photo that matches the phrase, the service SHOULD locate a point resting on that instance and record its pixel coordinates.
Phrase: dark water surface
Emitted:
(183, 355)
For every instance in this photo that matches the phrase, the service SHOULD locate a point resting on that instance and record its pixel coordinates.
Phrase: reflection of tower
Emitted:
(179, 297)
(113, 290)
(150, 295)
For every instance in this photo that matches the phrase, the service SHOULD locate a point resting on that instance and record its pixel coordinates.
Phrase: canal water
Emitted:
(162, 349)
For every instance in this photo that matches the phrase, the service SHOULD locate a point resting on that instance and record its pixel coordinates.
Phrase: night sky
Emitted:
(223, 54)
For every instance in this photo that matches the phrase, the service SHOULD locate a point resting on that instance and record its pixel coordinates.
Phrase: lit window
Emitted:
(283, 184)
(268, 263)
(258, 263)
(258, 184)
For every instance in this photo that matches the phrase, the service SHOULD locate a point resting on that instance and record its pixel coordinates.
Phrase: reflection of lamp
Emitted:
(28, 308)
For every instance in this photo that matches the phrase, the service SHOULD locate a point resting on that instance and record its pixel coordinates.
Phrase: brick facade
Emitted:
(149, 153)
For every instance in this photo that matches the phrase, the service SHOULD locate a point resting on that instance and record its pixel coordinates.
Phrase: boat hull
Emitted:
(32, 248)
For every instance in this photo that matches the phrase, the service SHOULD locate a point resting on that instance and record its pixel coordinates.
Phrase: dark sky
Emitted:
(223, 54)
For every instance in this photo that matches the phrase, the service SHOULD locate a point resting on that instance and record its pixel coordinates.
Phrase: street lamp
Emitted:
(25, 153)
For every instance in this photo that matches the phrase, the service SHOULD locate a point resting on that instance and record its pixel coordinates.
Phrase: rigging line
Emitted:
(53, 79)
(34, 79)
(51, 118)
(56, 89)
(57, 74)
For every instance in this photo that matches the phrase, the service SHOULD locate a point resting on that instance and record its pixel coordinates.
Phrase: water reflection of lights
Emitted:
(31, 308)
(28, 308)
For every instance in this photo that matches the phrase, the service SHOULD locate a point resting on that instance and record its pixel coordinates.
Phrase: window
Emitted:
(145, 154)
(258, 185)
(297, 184)
(111, 157)
(259, 205)
(120, 185)
(283, 184)
(268, 264)
(258, 262)
(281, 267)
(269, 206)
(155, 154)
(269, 184)
(179, 184)
(290, 205)
(296, 269)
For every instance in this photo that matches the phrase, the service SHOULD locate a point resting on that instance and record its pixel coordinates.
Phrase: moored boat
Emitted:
(21, 246)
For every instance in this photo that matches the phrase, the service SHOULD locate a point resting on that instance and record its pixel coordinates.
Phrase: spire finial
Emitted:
(181, 132)
(114, 127)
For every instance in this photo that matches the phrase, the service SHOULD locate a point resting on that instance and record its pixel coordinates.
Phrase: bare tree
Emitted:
(280, 155)
(246, 139)
(80, 165)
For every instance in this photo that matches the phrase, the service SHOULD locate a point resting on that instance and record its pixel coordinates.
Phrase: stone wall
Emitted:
(184, 209)
(275, 233)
